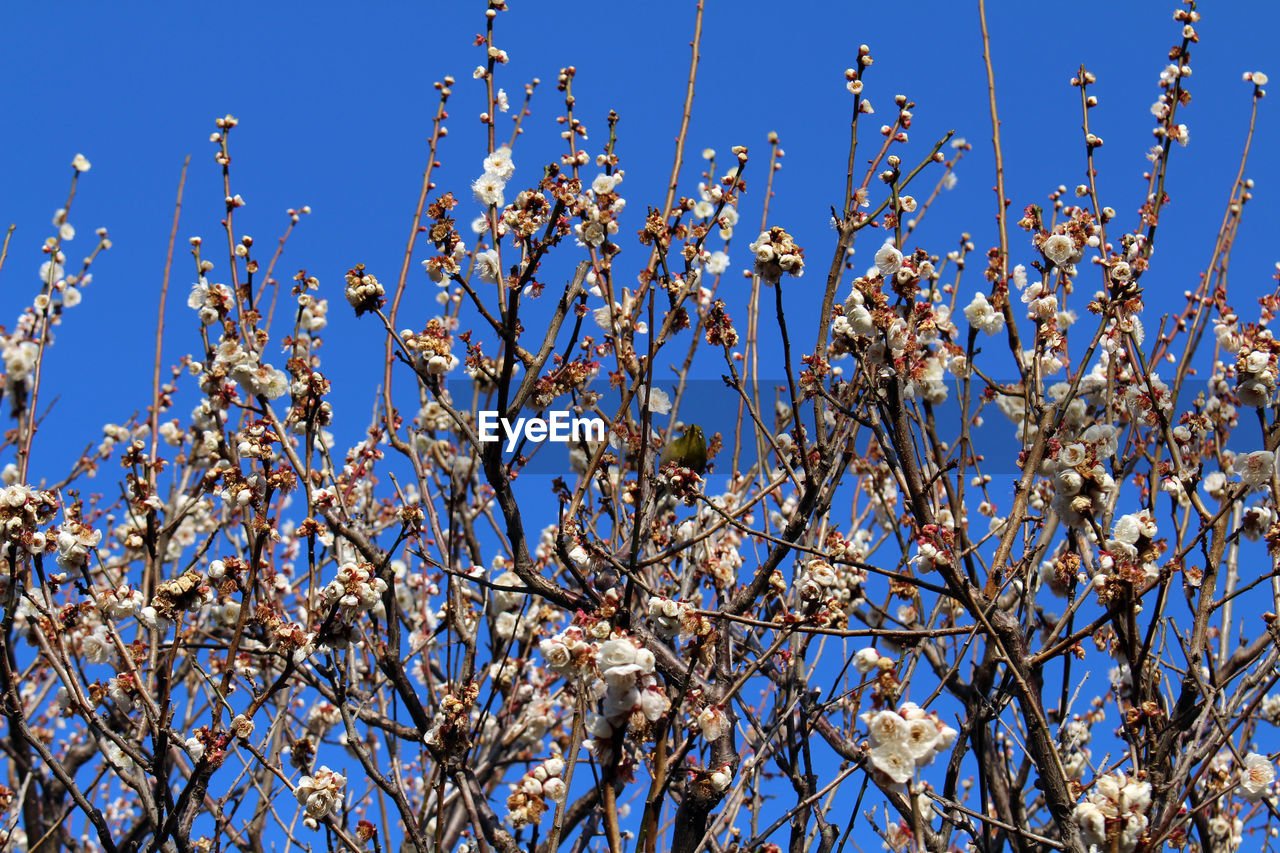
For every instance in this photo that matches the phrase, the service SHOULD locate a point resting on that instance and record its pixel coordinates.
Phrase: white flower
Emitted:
(717, 263)
(440, 364)
(897, 836)
(922, 736)
(886, 727)
(322, 717)
(505, 625)
(620, 679)
(659, 401)
(1045, 308)
(910, 711)
(888, 259)
(1020, 276)
(118, 757)
(499, 164)
(1255, 392)
(1092, 822)
(1215, 484)
(1256, 777)
(554, 790)
(555, 653)
(488, 189)
(1127, 529)
(121, 603)
(1256, 468)
(603, 184)
(982, 316)
(80, 164)
(1058, 248)
(619, 652)
(242, 726)
(75, 540)
(654, 703)
(1256, 361)
(713, 722)
(861, 321)
(51, 271)
(508, 596)
(320, 794)
(763, 249)
(620, 701)
(822, 573)
(98, 647)
(893, 760)
(488, 266)
(866, 660)
(1072, 454)
(1136, 795)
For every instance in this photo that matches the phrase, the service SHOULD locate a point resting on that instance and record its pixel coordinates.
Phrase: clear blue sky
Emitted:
(335, 108)
(335, 104)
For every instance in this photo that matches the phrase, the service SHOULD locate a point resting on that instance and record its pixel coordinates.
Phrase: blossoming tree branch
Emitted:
(835, 619)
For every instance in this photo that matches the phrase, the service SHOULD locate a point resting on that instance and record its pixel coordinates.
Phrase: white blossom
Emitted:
(888, 259)
(1256, 468)
(1256, 777)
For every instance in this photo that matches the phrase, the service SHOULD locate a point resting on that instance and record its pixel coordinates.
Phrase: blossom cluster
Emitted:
(23, 511)
(506, 607)
(908, 329)
(1075, 735)
(211, 302)
(777, 253)
(620, 673)
(672, 618)
(1255, 469)
(498, 169)
(363, 290)
(232, 360)
(905, 739)
(1082, 485)
(259, 505)
(529, 795)
(357, 589)
(630, 684)
(1257, 777)
(1257, 361)
(320, 794)
(982, 316)
(1129, 556)
(1115, 808)
(432, 347)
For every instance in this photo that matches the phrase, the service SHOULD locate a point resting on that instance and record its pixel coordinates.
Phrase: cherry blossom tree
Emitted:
(855, 620)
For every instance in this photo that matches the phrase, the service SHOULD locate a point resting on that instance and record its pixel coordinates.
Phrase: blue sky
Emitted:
(335, 108)
(335, 104)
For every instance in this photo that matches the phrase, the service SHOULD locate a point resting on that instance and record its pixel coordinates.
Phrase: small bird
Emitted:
(687, 451)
